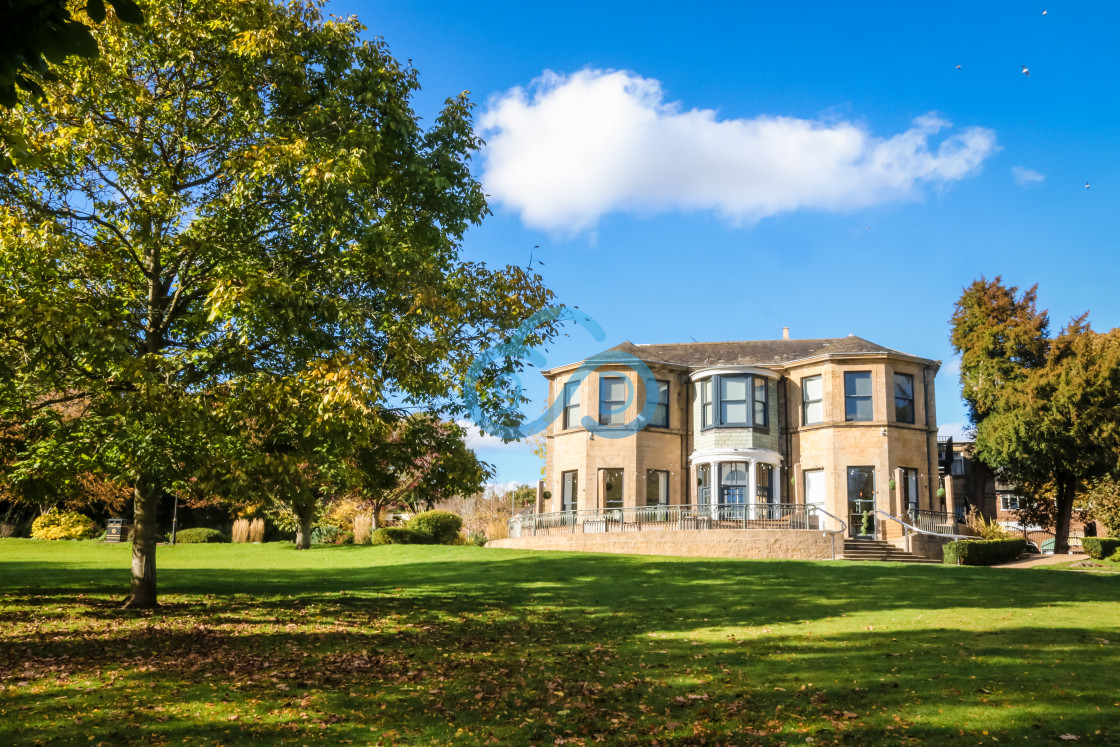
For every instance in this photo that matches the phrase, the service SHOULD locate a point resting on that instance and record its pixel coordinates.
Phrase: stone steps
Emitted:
(880, 550)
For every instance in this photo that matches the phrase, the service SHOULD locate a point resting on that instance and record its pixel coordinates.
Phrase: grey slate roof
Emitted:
(749, 352)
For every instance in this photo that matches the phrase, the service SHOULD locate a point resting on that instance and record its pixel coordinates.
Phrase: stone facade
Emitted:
(892, 434)
(716, 543)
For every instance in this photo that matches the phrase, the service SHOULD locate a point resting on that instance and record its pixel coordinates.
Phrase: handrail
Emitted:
(831, 532)
(919, 530)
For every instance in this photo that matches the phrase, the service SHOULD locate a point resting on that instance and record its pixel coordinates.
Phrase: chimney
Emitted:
(785, 333)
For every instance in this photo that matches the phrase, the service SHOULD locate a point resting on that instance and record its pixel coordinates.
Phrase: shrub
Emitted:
(199, 536)
(442, 526)
(986, 529)
(476, 538)
(399, 536)
(64, 525)
(1100, 547)
(983, 552)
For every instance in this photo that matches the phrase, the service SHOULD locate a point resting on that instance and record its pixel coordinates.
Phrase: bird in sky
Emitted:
(1026, 70)
(958, 67)
(1086, 185)
(1044, 12)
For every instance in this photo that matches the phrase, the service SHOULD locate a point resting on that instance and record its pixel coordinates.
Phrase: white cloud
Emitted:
(571, 148)
(1025, 177)
(478, 442)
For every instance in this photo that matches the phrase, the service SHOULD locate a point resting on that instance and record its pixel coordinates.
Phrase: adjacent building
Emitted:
(842, 424)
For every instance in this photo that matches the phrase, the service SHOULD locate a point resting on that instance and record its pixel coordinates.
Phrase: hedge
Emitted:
(1100, 547)
(199, 536)
(442, 526)
(399, 536)
(983, 552)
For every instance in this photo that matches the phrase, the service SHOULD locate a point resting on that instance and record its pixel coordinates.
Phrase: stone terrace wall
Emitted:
(715, 543)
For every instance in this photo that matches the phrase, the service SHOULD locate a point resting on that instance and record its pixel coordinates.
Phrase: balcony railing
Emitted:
(774, 516)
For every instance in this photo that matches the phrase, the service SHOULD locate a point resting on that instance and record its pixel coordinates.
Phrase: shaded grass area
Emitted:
(464, 645)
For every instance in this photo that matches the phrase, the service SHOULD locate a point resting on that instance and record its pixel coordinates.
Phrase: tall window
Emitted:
(657, 487)
(857, 395)
(812, 400)
(733, 482)
(815, 496)
(704, 485)
(612, 400)
(903, 398)
(761, 411)
(571, 404)
(733, 395)
(909, 488)
(569, 490)
(661, 413)
(765, 473)
(612, 487)
(737, 400)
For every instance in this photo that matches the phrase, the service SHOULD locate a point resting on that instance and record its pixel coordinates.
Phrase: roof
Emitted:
(750, 352)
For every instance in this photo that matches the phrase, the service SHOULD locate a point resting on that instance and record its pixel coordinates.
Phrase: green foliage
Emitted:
(476, 538)
(988, 529)
(64, 525)
(1101, 501)
(1043, 407)
(238, 291)
(200, 536)
(400, 536)
(441, 526)
(35, 33)
(1100, 547)
(330, 535)
(983, 552)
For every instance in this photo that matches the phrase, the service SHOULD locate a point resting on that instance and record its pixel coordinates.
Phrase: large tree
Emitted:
(1044, 408)
(236, 197)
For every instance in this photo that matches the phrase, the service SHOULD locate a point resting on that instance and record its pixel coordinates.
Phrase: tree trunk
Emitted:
(375, 524)
(1066, 486)
(303, 531)
(145, 499)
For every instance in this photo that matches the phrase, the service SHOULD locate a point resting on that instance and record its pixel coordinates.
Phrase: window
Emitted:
(704, 485)
(761, 411)
(733, 482)
(661, 413)
(741, 401)
(1009, 502)
(612, 487)
(569, 485)
(903, 398)
(812, 400)
(612, 400)
(765, 472)
(815, 497)
(958, 465)
(657, 487)
(908, 490)
(733, 400)
(857, 395)
(571, 404)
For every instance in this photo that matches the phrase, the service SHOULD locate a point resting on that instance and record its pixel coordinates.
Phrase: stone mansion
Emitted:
(842, 424)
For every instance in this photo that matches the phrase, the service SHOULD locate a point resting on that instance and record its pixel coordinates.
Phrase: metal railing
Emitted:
(918, 520)
(776, 516)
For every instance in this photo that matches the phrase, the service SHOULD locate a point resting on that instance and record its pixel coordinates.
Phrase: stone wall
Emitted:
(715, 543)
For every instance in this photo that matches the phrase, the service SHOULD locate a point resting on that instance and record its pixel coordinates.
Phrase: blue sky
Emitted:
(720, 172)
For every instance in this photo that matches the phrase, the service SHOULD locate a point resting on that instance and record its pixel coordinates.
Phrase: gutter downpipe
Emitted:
(930, 490)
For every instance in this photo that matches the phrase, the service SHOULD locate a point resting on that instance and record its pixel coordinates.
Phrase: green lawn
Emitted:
(465, 645)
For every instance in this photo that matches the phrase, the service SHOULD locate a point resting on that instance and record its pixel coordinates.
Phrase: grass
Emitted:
(262, 644)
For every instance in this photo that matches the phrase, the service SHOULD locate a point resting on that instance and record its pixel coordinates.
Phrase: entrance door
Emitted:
(814, 497)
(861, 502)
